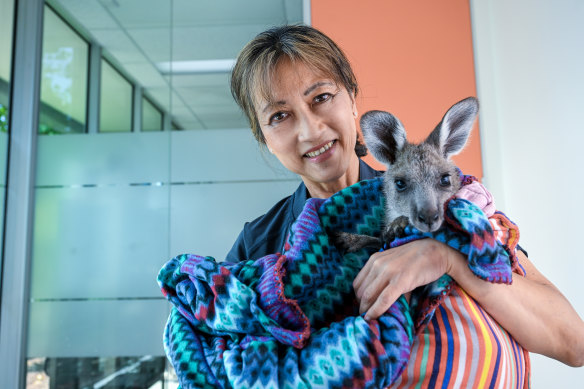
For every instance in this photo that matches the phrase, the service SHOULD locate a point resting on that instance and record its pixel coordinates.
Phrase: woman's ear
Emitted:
(353, 104)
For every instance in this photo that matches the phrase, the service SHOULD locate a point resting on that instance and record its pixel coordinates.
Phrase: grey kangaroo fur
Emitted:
(420, 178)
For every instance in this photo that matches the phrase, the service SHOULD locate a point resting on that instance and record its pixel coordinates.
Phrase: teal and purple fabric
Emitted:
(291, 320)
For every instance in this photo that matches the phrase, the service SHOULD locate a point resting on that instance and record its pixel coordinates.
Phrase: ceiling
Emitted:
(141, 36)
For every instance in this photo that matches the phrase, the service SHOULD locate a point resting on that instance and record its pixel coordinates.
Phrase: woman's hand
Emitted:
(391, 273)
(531, 309)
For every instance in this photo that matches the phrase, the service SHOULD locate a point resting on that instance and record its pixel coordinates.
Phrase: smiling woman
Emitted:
(309, 125)
(298, 92)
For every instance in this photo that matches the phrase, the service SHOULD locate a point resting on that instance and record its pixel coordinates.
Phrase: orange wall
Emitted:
(411, 58)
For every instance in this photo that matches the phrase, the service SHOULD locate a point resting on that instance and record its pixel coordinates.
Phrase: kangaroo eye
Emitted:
(445, 180)
(400, 185)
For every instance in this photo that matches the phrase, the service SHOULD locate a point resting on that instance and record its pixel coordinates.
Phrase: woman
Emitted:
(298, 92)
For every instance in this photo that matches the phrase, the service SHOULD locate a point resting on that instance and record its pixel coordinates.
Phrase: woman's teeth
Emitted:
(318, 152)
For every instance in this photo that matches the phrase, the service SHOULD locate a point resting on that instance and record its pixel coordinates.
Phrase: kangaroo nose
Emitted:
(428, 216)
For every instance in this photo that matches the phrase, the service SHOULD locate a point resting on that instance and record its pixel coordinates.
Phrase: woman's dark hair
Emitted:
(257, 61)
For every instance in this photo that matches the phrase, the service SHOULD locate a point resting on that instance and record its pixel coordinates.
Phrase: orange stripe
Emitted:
(483, 344)
(402, 381)
(419, 356)
(414, 365)
(455, 336)
(504, 376)
(440, 331)
(430, 345)
(477, 337)
(444, 340)
(489, 354)
(471, 342)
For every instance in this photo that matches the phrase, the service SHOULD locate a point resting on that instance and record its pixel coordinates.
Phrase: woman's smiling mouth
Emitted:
(318, 152)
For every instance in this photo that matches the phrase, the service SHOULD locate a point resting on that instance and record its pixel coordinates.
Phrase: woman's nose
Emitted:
(309, 125)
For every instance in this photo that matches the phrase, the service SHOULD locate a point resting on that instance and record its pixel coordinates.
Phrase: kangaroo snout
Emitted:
(427, 219)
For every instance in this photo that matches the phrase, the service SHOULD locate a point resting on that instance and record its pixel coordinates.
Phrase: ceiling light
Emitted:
(196, 67)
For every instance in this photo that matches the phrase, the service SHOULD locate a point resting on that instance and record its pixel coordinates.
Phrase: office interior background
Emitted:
(121, 147)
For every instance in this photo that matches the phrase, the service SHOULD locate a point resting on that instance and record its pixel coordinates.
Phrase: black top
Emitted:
(266, 234)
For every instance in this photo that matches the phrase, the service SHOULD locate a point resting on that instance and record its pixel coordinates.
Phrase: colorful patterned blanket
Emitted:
(291, 320)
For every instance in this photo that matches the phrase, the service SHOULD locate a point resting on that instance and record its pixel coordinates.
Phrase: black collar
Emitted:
(299, 197)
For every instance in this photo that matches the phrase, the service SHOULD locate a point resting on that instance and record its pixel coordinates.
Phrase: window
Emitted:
(115, 107)
(64, 78)
(151, 116)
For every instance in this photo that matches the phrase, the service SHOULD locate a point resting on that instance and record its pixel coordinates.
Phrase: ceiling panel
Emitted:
(155, 43)
(120, 46)
(140, 13)
(89, 13)
(206, 95)
(146, 74)
(196, 80)
(194, 43)
(228, 12)
(138, 34)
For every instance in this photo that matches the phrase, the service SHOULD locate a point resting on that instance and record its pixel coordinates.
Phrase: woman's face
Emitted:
(310, 126)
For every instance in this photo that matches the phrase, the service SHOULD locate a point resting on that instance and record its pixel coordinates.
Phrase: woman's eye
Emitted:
(322, 98)
(277, 117)
(400, 185)
(445, 180)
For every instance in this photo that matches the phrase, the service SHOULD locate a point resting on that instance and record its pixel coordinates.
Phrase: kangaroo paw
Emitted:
(347, 242)
(396, 229)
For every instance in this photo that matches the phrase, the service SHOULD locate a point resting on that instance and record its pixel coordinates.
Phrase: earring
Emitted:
(355, 114)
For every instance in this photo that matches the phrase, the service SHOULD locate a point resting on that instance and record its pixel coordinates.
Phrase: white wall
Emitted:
(529, 57)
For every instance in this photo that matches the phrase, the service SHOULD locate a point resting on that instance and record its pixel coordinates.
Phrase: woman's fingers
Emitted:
(378, 276)
(386, 298)
(359, 281)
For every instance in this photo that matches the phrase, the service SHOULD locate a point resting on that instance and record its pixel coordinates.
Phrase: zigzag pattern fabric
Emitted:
(291, 320)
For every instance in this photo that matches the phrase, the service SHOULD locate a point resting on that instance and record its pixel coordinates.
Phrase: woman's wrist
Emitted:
(454, 261)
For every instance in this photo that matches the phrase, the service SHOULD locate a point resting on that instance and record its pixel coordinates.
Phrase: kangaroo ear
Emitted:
(451, 134)
(384, 135)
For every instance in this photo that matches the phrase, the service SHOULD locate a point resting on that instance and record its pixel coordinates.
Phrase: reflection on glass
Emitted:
(98, 372)
(151, 116)
(115, 109)
(63, 79)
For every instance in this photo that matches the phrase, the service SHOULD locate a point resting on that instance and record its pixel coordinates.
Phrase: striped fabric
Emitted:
(463, 347)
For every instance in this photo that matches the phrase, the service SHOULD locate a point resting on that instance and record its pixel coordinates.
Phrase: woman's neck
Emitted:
(324, 190)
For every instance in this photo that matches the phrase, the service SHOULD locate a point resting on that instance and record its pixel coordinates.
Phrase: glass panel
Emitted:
(64, 78)
(115, 109)
(151, 116)
(90, 189)
(6, 21)
(103, 201)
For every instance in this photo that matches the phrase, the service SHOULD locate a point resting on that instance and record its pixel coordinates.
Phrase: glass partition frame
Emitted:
(24, 100)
